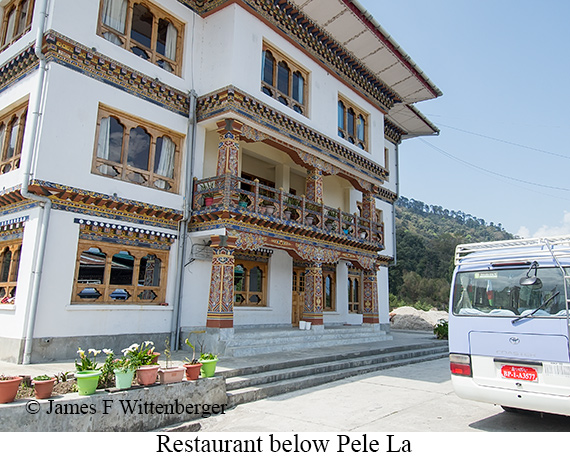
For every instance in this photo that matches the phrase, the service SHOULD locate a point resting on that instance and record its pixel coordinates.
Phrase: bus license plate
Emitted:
(514, 372)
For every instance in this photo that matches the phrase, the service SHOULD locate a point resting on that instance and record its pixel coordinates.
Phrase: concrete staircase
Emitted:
(264, 341)
(251, 383)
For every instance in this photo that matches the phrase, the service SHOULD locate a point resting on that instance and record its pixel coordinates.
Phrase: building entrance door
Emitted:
(298, 295)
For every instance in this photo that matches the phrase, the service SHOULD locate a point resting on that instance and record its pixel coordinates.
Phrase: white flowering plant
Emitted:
(87, 362)
(137, 355)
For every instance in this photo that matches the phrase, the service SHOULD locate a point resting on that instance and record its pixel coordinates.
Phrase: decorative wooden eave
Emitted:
(393, 132)
(92, 203)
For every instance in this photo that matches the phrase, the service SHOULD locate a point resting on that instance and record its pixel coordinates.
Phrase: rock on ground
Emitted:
(409, 318)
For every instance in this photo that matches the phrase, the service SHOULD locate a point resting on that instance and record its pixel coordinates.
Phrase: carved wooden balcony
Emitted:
(232, 198)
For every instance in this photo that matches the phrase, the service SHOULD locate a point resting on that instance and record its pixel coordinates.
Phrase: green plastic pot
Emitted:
(208, 367)
(87, 381)
(124, 378)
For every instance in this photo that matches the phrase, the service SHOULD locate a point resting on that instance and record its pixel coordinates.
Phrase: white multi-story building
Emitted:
(178, 165)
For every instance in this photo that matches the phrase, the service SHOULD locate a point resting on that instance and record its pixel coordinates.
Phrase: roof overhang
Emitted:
(409, 119)
(356, 30)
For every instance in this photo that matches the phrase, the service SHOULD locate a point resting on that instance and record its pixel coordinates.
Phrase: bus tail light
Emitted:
(460, 364)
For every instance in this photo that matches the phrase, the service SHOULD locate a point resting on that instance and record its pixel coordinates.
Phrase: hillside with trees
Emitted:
(426, 236)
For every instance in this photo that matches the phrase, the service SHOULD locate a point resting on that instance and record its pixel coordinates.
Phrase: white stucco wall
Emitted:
(58, 317)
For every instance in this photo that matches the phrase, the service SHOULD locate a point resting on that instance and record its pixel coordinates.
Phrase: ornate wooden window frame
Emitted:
(248, 265)
(10, 253)
(13, 118)
(345, 125)
(122, 170)
(354, 293)
(330, 274)
(273, 90)
(135, 293)
(22, 12)
(129, 43)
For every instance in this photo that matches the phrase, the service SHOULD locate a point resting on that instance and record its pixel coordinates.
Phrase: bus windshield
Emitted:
(500, 293)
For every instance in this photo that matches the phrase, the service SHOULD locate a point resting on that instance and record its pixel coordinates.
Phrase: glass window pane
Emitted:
(5, 265)
(164, 157)
(149, 271)
(268, 67)
(141, 29)
(360, 128)
(10, 26)
(341, 111)
(166, 39)
(115, 15)
(91, 266)
(283, 78)
(13, 138)
(239, 278)
(255, 280)
(139, 148)
(350, 121)
(16, 264)
(23, 19)
(122, 267)
(298, 87)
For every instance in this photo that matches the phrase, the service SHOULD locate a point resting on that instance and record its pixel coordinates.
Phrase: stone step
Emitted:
(244, 344)
(255, 387)
(343, 353)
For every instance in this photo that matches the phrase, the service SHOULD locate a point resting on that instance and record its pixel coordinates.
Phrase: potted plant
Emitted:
(9, 388)
(124, 370)
(43, 386)
(243, 201)
(208, 361)
(269, 207)
(170, 374)
(192, 365)
(209, 194)
(143, 356)
(87, 374)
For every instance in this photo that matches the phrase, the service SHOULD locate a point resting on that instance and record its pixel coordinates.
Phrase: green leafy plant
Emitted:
(208, 189)
(208, 356)
(193, 360)
(62, 376)
(43, 377)
(107, 378)
(167, 352)
(140, 354)
(86, 362)
(441, 329)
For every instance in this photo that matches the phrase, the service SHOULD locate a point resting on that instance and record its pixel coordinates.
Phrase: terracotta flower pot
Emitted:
(146, 375)
(43, 389)
(9, 389)
(192, 371)
(170, 375)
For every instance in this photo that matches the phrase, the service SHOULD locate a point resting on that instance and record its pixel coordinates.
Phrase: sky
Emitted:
(502, 154)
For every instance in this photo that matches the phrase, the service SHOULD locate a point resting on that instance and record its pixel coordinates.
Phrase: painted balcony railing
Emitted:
(215, 198)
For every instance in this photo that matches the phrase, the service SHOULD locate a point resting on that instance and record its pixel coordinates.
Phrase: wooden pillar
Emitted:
(368, 206)
(228, 147)
(221, 301)
(314, 185)
(313, 310)
(370, 298)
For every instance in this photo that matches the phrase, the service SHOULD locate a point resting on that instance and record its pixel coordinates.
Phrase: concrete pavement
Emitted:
(411, 398)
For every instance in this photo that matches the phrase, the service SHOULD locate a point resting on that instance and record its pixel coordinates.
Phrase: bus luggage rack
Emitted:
(516, 250)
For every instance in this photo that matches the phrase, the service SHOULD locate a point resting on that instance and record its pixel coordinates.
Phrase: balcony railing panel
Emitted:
(241, 196)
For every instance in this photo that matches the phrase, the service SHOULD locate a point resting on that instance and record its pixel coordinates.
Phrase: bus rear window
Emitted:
(500, 293)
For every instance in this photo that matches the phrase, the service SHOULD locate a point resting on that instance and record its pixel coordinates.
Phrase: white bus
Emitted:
(509, 324)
